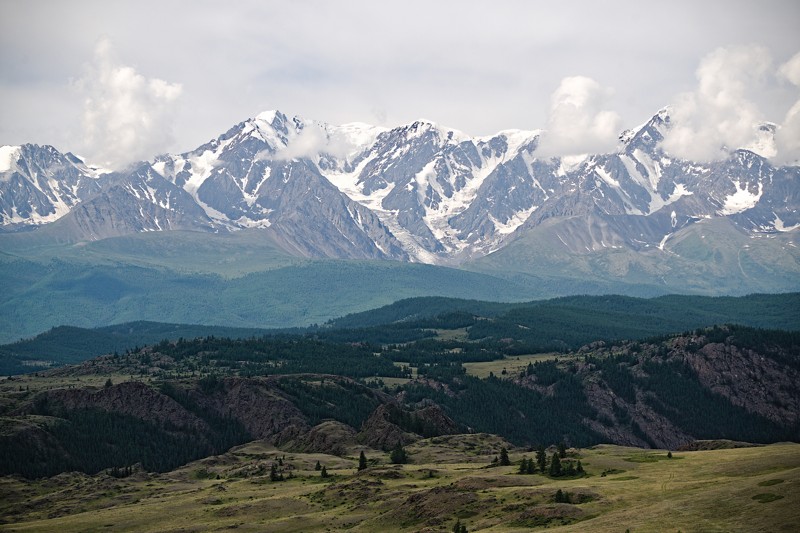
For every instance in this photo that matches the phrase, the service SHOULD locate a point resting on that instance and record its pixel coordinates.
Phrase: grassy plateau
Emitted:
(449, 478)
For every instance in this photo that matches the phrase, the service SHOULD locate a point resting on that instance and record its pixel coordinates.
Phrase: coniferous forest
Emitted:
(580, 394)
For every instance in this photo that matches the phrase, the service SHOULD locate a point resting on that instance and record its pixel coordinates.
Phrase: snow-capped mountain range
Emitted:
(418, 192)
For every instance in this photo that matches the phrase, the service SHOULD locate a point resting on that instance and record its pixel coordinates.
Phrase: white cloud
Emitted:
(126, 117)
(308, 143)
(312, 141)
(791, 69)
(787, 137)
(719, 115)
(577, 122)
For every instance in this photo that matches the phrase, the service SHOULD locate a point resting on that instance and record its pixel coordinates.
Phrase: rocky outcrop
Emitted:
(260, 407)
(435, 418)
(739, 374)
(130, 398)
(378, 432)
(642, 427)
(390, 424)
(329, 437)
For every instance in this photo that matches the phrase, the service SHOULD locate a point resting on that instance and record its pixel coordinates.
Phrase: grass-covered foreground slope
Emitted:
(448, 479)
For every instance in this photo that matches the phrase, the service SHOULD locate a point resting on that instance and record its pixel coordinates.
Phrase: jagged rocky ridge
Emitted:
(418, 192)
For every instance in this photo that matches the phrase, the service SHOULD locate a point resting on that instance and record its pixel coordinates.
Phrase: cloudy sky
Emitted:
(126, 80)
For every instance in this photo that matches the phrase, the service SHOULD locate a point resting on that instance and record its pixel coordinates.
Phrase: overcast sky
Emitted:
(155, 76)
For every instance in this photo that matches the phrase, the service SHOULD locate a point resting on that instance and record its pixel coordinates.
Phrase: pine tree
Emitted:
(504, 460)
(562, 496)
(570, 469)
(273, 473)
(580, 469)
(555, 465)
(324, 472)
(317, 467)
(523, 466)
(531, 467)
(398, 455)
(669, 455)
(541, 459)
(362, 461)
(562, 449)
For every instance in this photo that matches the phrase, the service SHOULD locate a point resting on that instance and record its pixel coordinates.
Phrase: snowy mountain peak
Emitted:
(418, 192)
(270, 116)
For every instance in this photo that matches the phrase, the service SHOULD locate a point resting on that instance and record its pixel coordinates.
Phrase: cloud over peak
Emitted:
(787, 138)
(578, 122)
(126, 116)
(721, 113)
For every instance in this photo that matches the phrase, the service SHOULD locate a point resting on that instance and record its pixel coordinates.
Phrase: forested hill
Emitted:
(676, 312)
(549, 325)
(172, 402)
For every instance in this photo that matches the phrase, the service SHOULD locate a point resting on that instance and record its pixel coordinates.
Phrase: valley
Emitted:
(696, 430)
(246, 285)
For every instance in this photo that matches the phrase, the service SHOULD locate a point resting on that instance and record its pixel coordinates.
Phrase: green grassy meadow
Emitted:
(746, 489)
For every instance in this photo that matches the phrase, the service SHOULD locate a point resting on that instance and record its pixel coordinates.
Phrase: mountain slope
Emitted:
(418, 192)
(43, 295)
(274, 191)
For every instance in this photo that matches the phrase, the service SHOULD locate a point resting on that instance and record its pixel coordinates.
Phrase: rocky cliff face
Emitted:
(130, 398)
(740, 374)
(722, 362)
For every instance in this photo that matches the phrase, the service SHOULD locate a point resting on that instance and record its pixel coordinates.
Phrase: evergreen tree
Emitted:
(559, 496)
(109, 383)
(570, 469)
(504, 460)
(580, 469)
(555, 465)
(669, 455)
(317, 467)
(541, 459)
(273, 473)
(324, 472)
(362, 461)
(562, 449)
(523, 466)
(531, 467)
(398, 455)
